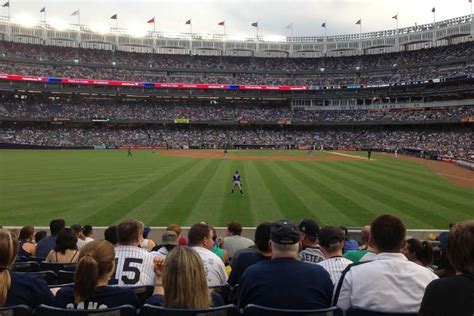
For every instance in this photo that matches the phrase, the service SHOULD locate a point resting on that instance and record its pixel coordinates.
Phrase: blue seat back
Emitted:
(256, 310)
(48, 266)
(227, 310)
(25, 266)
(356, 311)
(65, 277)
(16, 310)
(124, 310)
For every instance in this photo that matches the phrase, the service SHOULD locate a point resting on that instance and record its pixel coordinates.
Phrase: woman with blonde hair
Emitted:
(91, 291)
(15, 288)
(181, 282)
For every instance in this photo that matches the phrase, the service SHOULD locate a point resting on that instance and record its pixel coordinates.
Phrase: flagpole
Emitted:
(9, 11)
(291, 30)
(79, 19)
(154, 25)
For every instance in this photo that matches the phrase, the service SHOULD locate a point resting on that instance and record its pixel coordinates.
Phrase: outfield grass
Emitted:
(104, 187)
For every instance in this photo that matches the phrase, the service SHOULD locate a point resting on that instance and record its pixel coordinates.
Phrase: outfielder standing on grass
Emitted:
(236, 183)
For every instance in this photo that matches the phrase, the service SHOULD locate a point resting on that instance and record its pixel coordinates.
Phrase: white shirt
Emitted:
(134, 267)
(88, 240)
(235, 243)
(389, 283)
(334, 266)
(80, 243)
(162, 252)
(213, 265)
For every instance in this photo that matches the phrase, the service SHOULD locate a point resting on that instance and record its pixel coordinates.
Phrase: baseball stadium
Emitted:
(315, 135)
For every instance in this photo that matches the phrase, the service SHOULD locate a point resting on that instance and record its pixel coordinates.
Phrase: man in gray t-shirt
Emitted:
(310, 252)
(233, 241)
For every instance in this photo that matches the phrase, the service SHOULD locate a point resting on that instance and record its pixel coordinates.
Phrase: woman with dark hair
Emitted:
(26, 244)
(91, 291)
(181, 282)
(454, 295)
(18, 288)
(419, 252)
(65, 250)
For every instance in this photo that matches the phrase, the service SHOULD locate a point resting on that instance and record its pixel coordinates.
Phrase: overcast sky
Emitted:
(272, 15)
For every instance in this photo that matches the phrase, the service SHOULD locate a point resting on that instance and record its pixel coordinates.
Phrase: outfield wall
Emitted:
(248, 232)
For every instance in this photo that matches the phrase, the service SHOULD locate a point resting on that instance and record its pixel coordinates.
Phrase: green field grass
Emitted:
(104, 187)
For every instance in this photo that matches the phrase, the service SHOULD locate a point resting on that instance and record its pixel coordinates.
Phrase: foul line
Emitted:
(346, 155)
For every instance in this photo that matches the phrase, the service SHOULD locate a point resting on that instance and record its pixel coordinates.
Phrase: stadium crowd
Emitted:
(204, 111)
(54, 61)
(287, 266)
(456, 142)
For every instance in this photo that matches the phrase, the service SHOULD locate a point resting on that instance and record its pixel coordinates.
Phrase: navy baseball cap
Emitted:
(330, 235)
(309, 227)
(284, 232)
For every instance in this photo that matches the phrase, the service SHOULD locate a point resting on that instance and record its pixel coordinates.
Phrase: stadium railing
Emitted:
(257, 310)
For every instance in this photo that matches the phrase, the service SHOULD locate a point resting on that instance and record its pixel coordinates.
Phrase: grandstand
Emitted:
(324, 130)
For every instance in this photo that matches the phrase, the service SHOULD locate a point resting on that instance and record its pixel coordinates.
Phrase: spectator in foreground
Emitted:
(365, 252)
(181, 282)
(389, 283)
(169, 240)
(147, 244)
(110, 234)
(420, 252)
(27, 246)
(177, 229)
(311, 251)
(247, 257)
(134, 264)
(81, 239)
(18, 288)
(233, 242)
(200, 239)
(47, 244)
(285, 281)
(91, 290)
(88, 232)
(65, 250)
(331, 240)
(40, 235)
(349, 244)
(454, 295)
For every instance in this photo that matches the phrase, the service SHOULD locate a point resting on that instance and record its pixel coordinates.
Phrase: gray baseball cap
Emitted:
(169, 238)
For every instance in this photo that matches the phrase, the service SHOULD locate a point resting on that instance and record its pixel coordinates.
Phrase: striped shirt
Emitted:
(133, 267)
(334, 266)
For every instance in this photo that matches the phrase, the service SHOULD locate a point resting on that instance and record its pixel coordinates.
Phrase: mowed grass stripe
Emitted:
(213, 197)
(344, 205)
(375, 196)
(289, 205)
(119, 208)
(427, 180)
(409, 197)
(318, 207)
(192, 185)
(421, 191)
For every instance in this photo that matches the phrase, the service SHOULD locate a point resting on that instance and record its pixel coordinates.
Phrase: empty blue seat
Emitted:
(257, 310)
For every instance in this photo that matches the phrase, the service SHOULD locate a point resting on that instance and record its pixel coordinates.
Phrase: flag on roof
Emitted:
(43, 10)
(188, 22)
(222, 23)
(75, 13)
(114, 17)
(359, 22)
(323, 25)
(255, 24)
(152, 20)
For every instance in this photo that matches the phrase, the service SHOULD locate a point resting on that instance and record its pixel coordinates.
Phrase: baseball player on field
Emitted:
(236, 183)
